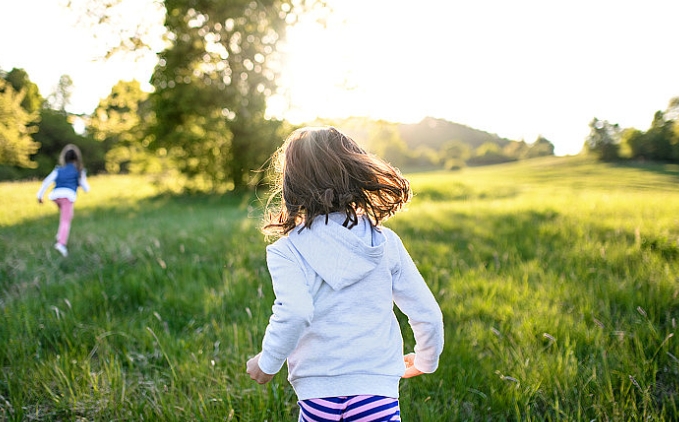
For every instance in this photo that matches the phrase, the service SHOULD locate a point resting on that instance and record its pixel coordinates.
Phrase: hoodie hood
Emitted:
(340, 256)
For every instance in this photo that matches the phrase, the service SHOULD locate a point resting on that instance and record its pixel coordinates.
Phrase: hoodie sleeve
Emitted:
(82, 181)
(46, 183)
(293, 309)
(414, 298)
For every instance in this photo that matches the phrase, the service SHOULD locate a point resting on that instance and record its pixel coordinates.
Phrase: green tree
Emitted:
(54, 132)
(211, 86)
(39, 129)
(489, 153)
(516, 149)
(385, 141)
(603, 140)
(121, 123)
(454, 154)
(542, 147)
(61, 97)
(211, 82)
(632, 143)
(661, 141)
(671, 114)
(19, 80)
(16, 127)
(660, 135)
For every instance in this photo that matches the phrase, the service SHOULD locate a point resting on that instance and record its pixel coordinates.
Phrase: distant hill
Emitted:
(430, 132)
(433, 133)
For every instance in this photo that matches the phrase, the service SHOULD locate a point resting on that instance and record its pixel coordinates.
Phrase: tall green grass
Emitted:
(558, 279)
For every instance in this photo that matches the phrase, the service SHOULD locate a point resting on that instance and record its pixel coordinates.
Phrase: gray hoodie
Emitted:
(333, 317)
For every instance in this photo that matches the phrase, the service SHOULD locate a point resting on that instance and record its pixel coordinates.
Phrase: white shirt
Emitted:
(67, 193)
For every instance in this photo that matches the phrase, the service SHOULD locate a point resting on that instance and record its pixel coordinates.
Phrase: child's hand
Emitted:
(39, 200)
(256, 373)
(411, 371)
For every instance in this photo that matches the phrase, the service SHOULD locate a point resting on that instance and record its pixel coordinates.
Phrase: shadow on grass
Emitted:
(665, 169)
(566, 249)
(171, 265)
(510, 284)
(122, 235)
(463, 192)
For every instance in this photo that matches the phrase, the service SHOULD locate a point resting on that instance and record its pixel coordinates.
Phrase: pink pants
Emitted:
(65, 217)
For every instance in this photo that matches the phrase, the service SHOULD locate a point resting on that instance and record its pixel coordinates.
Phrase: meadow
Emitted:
(558, 279)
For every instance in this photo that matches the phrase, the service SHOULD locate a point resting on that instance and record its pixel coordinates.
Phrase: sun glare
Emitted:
(518, 69)
(521, 71)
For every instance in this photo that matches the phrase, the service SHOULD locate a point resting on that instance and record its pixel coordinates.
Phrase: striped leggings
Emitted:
(349, 409)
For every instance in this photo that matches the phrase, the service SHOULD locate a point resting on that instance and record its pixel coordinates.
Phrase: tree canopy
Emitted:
(121, 123)
(33, 132)
(211, 86)
(659, 143)
(603, 139)
(16, 126)
(211, 83)
(32, 100)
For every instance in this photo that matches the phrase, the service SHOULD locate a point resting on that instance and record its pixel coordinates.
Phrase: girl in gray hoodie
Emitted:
(336, 274)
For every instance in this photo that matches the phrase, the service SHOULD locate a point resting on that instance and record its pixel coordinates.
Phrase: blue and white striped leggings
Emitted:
(349, 409)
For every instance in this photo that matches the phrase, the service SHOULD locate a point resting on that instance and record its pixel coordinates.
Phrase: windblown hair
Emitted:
(320, 171)
(71, 154)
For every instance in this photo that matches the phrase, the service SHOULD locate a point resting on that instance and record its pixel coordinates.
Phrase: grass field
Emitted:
(558, 279)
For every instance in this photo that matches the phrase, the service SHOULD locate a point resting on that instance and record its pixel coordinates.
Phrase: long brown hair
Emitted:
(71, 154)
(320, 170)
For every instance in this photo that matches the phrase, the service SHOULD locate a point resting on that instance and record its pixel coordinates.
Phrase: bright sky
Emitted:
(518, 68)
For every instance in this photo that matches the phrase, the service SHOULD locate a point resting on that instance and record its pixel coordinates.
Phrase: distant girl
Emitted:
(67, 177)
(336, 274)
